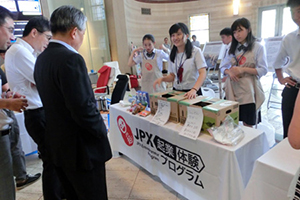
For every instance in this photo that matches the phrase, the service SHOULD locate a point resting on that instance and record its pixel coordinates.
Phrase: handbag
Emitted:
(133, 81)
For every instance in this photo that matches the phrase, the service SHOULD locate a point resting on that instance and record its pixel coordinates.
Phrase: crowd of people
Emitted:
(60, 112)
(49, 83)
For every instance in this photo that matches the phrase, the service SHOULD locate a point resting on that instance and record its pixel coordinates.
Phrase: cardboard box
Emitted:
(216, 112)
(174, 114)
(196, 102)
(153, 101)
(163, 96)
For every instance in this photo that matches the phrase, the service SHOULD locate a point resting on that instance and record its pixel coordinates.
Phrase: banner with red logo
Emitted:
(197, 169)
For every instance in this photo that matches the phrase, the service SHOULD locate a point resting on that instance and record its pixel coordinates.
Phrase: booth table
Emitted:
(273, 173)
(197, 169)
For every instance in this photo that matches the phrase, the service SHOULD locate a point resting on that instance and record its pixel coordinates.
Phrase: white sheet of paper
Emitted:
(193, 124)
(163, 113)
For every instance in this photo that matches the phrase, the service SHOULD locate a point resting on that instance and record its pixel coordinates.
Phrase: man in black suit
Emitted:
(75, 132)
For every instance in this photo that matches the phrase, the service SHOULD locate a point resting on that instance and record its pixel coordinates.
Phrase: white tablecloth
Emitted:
(273, 173)
(28, 144)
(197, 169)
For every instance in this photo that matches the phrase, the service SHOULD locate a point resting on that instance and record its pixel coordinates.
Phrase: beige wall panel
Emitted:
(164, 15)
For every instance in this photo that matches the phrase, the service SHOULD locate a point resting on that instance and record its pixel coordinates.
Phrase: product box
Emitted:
(216, 112)
(153, 101)
(189, 102)
(163, 96)
(174, 113)
(143, 98)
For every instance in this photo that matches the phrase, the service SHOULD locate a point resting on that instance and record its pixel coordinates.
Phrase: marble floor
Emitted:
(127, 181)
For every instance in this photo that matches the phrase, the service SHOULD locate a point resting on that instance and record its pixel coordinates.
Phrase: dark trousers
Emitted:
(35, 124)
(84, 184)
(289, 96)
(18, 156)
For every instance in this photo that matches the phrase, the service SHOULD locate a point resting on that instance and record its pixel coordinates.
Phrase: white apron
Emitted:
(248, 89)
(151, 72)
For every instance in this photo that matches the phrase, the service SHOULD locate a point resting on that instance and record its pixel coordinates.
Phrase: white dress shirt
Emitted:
(290, 47)
(190, 69)
(257, 56)
(19, 65)
(196, 43)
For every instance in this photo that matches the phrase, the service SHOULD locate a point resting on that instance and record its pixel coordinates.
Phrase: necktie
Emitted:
(242, 47)
(150, 54)
(225, 54)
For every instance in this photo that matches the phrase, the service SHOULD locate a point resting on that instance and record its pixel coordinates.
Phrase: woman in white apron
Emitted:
(244, 64)
(152, 64)
(186, 65)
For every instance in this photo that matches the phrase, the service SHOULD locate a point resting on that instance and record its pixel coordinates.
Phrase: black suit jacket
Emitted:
(75, 133)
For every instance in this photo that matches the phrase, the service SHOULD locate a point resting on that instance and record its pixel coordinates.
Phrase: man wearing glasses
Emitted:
(7, 187)
(19, 65)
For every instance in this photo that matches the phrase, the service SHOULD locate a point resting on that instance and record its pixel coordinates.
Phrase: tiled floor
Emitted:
(127, 181)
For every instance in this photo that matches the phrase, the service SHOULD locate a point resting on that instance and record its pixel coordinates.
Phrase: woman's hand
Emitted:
(157, 82)
(237, 71)
(232, 76)
(191, 94)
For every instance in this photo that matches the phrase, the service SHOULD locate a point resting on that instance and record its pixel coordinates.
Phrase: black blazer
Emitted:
(75, 133)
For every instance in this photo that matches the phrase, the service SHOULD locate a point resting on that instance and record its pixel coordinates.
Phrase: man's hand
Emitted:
(287, 81)
(11, 95)
(17, 104)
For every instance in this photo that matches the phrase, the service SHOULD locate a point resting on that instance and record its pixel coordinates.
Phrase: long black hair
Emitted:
(188, 46)
(250, 39)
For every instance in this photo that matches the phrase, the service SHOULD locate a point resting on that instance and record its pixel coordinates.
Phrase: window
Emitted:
(199, 26)
(98, 10)
(271, 20)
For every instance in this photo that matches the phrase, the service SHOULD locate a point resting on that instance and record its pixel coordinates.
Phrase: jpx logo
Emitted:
(125, 131)
(144, 136)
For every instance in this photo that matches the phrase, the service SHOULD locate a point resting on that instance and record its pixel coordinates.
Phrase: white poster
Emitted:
(193, 123)
(272, 46)
(211, 53)
(163, 113)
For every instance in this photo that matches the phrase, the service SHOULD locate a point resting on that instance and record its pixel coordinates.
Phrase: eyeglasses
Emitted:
(49, 37)
(10, 29)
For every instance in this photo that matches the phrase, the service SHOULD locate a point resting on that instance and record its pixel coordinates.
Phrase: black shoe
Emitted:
(29, 180)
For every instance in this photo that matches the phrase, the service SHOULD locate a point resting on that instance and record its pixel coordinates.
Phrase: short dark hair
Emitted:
(226, 31)
(293, 3)
(40, 23)
(149, 37)
(4, 13)
(65, 18)
(194, 36)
